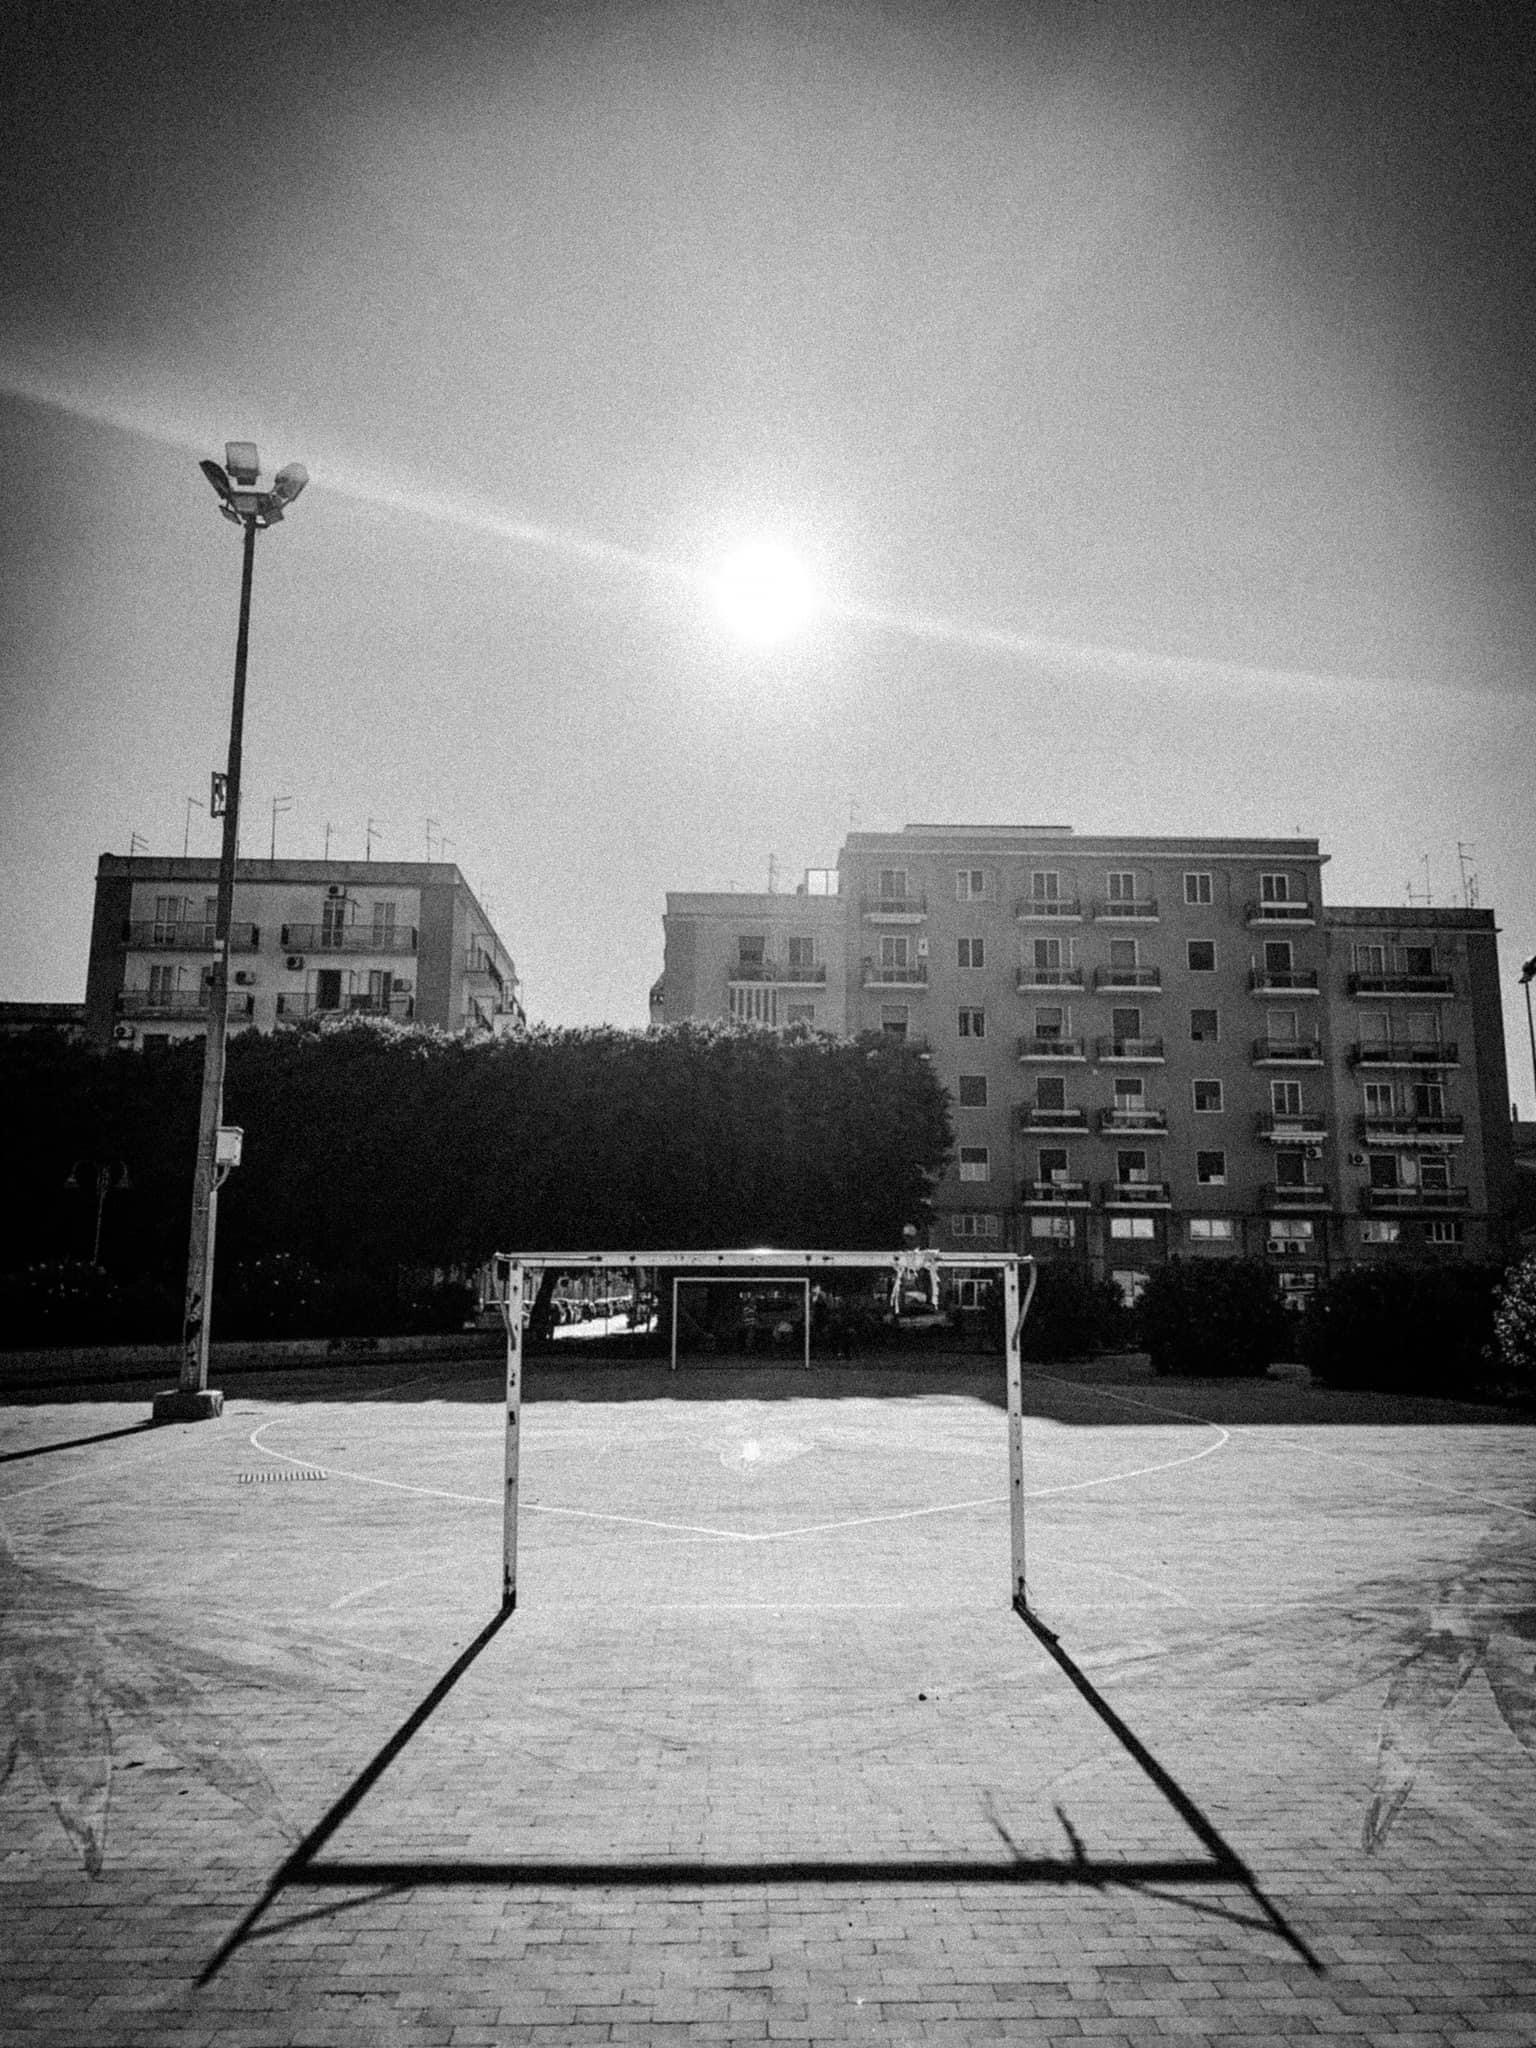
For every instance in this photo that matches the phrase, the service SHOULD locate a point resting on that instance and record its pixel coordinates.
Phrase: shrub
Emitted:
(1514, 1327)
(1413, 1329)
(1213, 1318)
(70, 1301)
(1072, 1314)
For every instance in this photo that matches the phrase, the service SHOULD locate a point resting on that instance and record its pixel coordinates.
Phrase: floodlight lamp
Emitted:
(1528, 971)
(242, 461)
(289, 481)
(217, 477)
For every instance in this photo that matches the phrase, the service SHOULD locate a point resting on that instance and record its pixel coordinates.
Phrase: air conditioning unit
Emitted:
(402, 988)
(922, 949)
(1279, 1244)
(1311, 1151)
(123, 1033)
(244, 978)
(336, 889)
(1357, 1159)
(294, 962)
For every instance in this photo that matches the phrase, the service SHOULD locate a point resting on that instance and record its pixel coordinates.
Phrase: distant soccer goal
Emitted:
(515, 1276)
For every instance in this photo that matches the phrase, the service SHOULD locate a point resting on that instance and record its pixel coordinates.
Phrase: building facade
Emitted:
(401, 939)
(1152, 1047)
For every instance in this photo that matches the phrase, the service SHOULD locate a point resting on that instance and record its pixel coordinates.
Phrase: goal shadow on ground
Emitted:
(306, 1870)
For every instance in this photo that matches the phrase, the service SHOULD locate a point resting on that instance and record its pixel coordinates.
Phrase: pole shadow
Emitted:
(74, 1443)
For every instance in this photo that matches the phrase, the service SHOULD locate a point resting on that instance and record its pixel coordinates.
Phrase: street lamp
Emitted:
(111, 1177)
(242, 501)
(1527, 976)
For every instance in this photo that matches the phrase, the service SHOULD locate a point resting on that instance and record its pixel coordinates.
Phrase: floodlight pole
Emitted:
(1527, 976)
(250, 508)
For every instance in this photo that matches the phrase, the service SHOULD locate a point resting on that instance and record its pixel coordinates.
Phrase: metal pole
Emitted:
(1528, 975)
(512, 1310)
(1013, 1321)
(193, 1397)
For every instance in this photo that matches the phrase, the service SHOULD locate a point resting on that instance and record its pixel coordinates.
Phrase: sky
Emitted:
(1146, 393)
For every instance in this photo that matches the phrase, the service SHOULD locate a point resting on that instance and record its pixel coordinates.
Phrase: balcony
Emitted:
(780, 973)
(152, 936)
(1130, 1051)
(886, 974)
(1126, 910)
(1062, 1121)
(1137, 1194)
(1293, 1196)
(349, 938)
(1412, 1130)
(183, 1005)
(1283, 981)
(1393, 1201)
(1293, 1127)
(1048, 909)
(1030, 979)
(1287, 1052)
(894, 909)
(1385, 1052)
(1402, 985)
(1045, 1045)
(1128, 1123)
(400, 1007)
(1278, 913)
(1110, 981)
(1056, 1194)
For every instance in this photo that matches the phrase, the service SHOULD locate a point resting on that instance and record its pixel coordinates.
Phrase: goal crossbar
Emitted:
(513, 1272)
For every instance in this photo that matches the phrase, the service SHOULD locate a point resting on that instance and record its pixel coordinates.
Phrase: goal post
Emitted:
(514, 1276)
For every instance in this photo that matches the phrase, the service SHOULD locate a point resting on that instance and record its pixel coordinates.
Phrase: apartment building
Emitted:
(401, 939)
(1152, 1047)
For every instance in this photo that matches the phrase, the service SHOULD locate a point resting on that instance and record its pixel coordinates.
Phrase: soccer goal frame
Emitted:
(512, 1273)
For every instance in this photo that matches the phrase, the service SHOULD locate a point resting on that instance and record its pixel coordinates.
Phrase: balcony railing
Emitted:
(348, 938)
(155, 936)
(902, 907)
(181, 1004)
(1287, 1052)
(1412, 1130)
(1137, 1194)
(1278, 913)
(1045, 1045)
(789, 974)
(1402, 985)
(1033, 1119)
(1029, 978)
(1107, 980)
(1126, 910)
(1283, 981)
(1047, 908)
(1293, 1127)
(308, 1004)
(1379, 1200)
(1422, 1052)
(1056, 1194)
(1130, 1122)
(1128, 1049)
(1294, 1195)
(883, 974)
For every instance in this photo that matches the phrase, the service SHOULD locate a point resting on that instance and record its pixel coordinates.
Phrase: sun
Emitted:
(764, 593)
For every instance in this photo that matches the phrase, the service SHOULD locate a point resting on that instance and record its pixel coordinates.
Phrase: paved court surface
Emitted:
(763, 1753)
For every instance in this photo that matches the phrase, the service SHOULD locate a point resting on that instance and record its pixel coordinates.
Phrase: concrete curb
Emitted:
(80, 1365)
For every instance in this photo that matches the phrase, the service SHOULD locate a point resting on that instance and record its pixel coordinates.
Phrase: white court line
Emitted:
(1380, 1465)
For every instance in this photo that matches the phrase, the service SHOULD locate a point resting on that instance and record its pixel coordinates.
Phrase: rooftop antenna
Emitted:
(328, 831)
(137, 843)
(1413, 894)
(773, 874)
(431, 822)
(1469, 889)
(194, 803)
(370, 833)
(279, 804)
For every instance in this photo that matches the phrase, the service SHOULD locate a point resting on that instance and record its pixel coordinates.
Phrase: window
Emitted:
(1370, 959)
(975, 1223)
(333, 921)
(1283, 1027)
(1125, 1024)
(1130, 1092)
(970, 953)
(1207, 1096)
(1278, 959)
(975, 1162)
(1050, 1092)
(972, 1023)
(1197, 888)
(1211, 1229)
(1418, 960)
(1428, 1099)
(1131, 1168)
(750, 953)
(973, 1091)
(1132, 1226)
(895, 951)
(1204, 1026)
(1435, 1172)
(1295, 1230)
(1050, 1020)
(800, 1013)
(383, 921)
(1122, 886)
(168, 910)
(1290, 1167)
(1202, 956)
(1047, 955)
(1443, 1230)
(1379, 1098)
(1123, 956)
(1057, 1227)
(1285, 1098)
(1132, 1286)
(893, 885)
(800, 953)
(1211, 1169)
(1053, 1164)
(970, 884)
(893, 1019)
(1274, 888)
(1045, 886)
(1380, 1232)
(162, 986)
